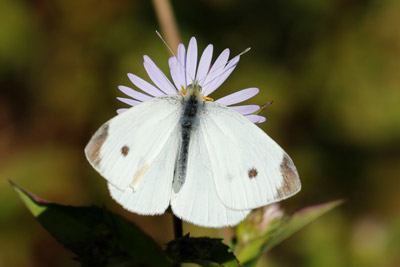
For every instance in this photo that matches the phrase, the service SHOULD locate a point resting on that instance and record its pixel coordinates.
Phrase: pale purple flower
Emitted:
(270, 212)
(209, 77)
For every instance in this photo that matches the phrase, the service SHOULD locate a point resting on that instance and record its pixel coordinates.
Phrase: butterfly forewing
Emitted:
(136, 152)
(250, 169)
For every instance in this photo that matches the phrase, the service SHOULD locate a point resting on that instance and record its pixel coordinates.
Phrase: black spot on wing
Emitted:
(252, 173)
(125, 150)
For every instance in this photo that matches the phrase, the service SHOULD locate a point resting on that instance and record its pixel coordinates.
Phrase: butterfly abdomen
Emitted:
(188, 120)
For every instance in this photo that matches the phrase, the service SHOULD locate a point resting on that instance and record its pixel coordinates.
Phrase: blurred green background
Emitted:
(332, 69)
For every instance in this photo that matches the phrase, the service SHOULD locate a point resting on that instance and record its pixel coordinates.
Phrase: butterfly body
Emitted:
(192, 105)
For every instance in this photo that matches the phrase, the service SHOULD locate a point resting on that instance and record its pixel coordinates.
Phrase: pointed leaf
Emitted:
(281, 229)
(96, 236)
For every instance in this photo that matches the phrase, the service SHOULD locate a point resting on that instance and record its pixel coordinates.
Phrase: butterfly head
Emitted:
(195, 89)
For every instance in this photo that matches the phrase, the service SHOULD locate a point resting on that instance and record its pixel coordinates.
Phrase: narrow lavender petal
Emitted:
(216, 70)
(129, 101)
(144, 86)
(191, 60)
(121, 110)
(246, 109)
(256, 118)
(204, 65)
(176, 75)
(181, 64)
(226, 73)
(238, 96)
(133, 93)
(158, 77)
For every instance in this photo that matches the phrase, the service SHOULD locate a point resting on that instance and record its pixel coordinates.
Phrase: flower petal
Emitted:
(226, 72)
(133, 93)
(144, 86)
(129, 101)
(204, 64)
(121, 110)
(191, 60)
(158, 77)
(256, 118)
(177, 73)
(216, 70)
(181, 64)
(238, 96)
(246, 109)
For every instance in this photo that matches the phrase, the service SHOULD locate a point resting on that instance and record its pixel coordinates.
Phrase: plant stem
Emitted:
(178, 232)
(166, 18)
(178, 229)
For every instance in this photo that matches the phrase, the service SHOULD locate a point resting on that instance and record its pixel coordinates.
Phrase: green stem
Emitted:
(178, 232)
(178, 229)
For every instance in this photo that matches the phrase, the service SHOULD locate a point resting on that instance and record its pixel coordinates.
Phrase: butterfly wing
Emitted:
(136, 152)
(250, 169)
(153, 194)
(197, 201)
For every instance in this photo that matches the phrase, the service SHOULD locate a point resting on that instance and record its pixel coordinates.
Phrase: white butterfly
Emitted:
(207, 161)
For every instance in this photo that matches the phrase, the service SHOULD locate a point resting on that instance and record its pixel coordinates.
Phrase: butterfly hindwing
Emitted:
(154, 192)
(197, 201)
(250, 169)
(136, 152)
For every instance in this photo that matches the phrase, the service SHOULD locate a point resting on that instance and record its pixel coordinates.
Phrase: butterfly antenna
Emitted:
(172, 52)
(223, 65)
(169, 48)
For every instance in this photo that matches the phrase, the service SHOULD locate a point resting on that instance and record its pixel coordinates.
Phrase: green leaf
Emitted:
(201, 250)
(281, 229)
(96, 236)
